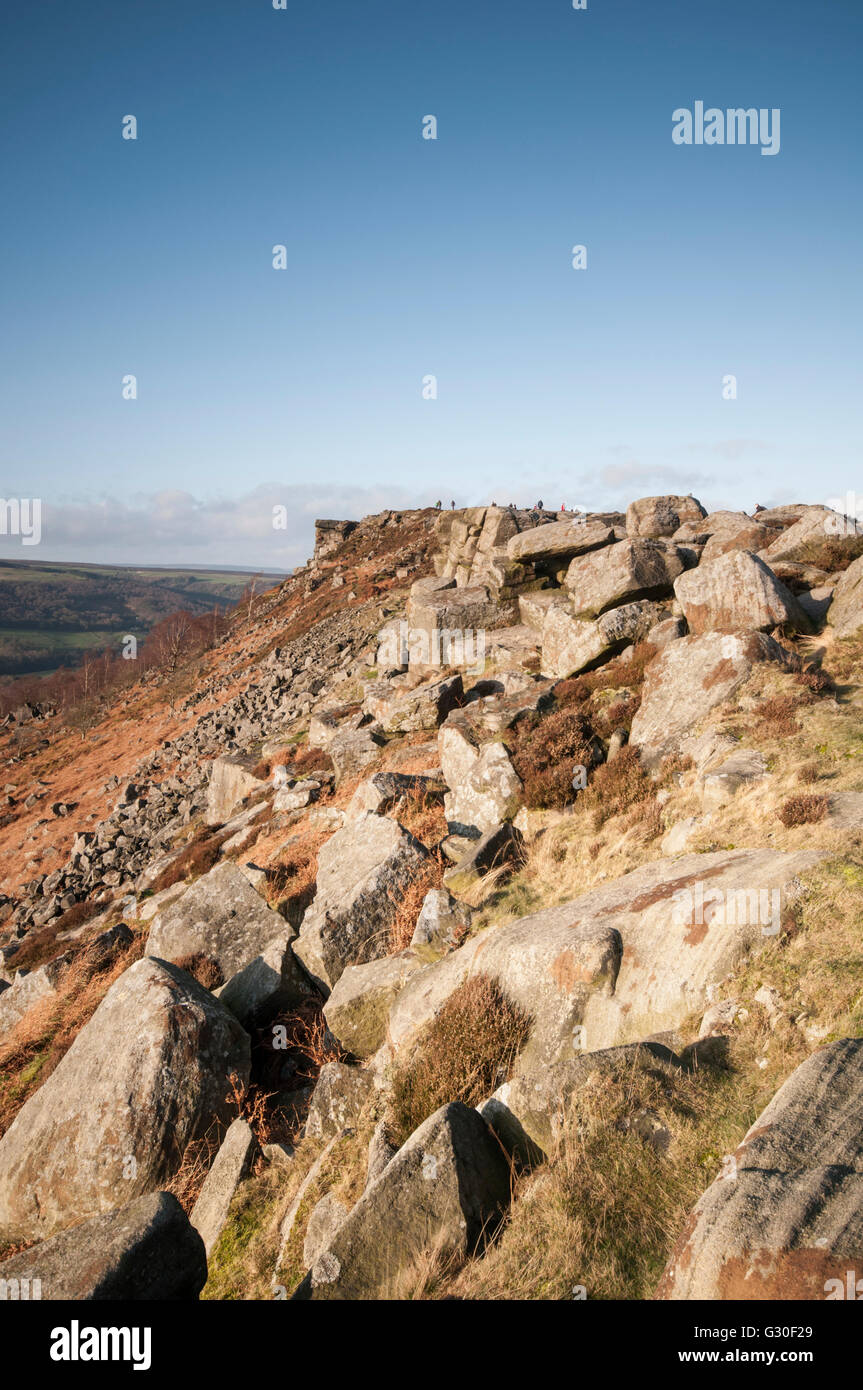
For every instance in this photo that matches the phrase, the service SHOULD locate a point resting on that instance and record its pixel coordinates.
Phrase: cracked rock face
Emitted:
(147, 1075)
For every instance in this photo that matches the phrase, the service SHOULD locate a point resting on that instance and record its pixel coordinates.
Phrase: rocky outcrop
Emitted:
(629, 570)
(220, 916)
(662, 516)
(558, 542)
(571, 645)
(845, 613)
(145, 1077)
(629, 960)
(805, 536)
(401, 709)
(484, 787)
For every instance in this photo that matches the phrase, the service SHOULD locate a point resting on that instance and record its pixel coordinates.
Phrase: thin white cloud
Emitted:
(176, 528)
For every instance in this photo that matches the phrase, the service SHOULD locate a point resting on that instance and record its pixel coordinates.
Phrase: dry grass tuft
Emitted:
(202, 968)
(31, 1050)
(408, 901)
(464, 1053)
(545, 751)
(809, 772)
(804, 809)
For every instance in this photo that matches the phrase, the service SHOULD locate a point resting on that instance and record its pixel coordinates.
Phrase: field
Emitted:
(53, 612)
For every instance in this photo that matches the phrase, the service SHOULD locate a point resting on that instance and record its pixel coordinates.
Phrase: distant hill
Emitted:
(51, 612)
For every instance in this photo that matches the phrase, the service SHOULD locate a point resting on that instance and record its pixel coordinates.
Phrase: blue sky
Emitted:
(408, 257)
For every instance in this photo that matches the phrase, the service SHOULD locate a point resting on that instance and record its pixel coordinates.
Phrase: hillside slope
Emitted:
(511, 866)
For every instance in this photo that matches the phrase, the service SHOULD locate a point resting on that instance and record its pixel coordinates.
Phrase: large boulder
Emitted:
(484, 787)
(231, 780)
(845, 613)
(444, 1192)
(785, 1219)
(621, 573)
(362, 872)
(559, 541)
(803, 540)
(736, 592)
(688, 678)
(571, 645)
(454, 611)
(662, 516)
(628, 960)
(221, 916)
(144, 1251)
(150, 1073)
